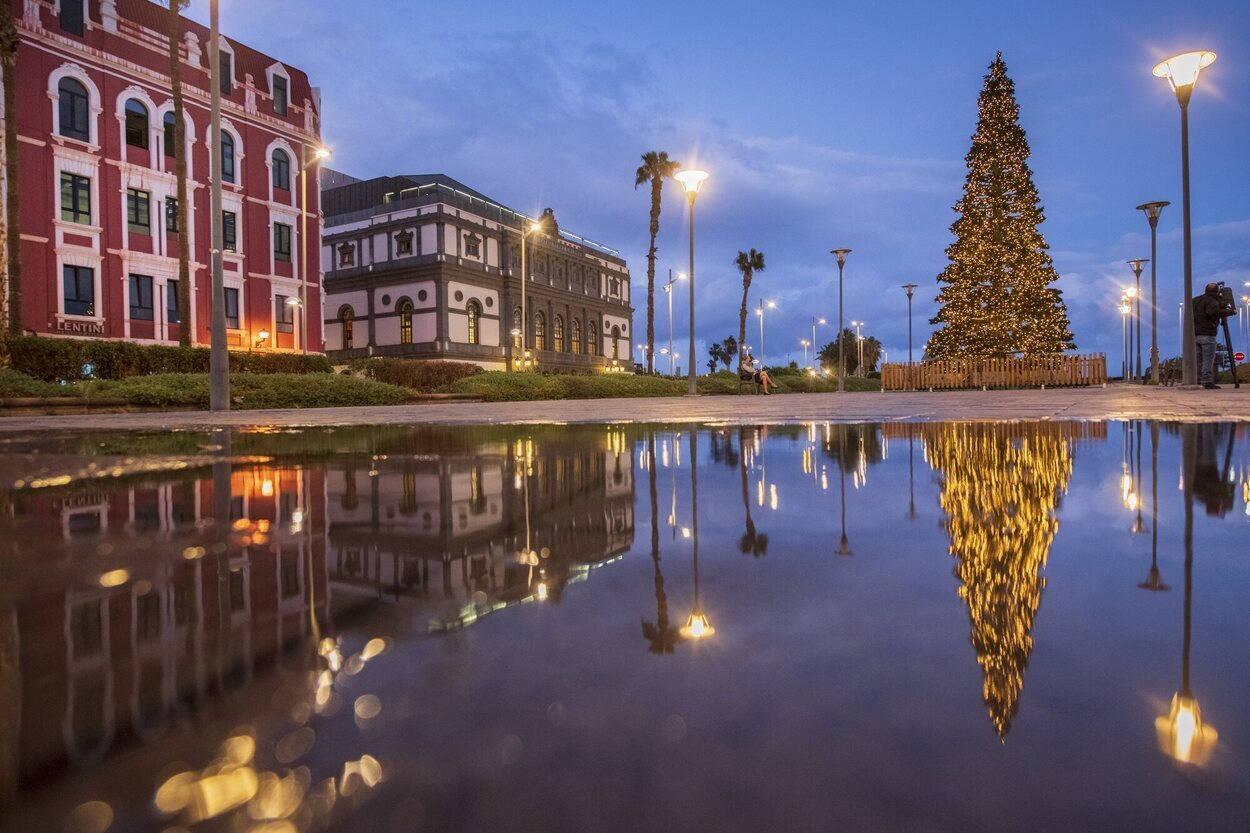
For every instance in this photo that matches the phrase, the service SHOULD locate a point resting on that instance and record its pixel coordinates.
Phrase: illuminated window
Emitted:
(473, 311)
(516, 329)
(540, 331)
(405, 321)
(577, 335)
(346, 318)
(592, 339)
(557, 334)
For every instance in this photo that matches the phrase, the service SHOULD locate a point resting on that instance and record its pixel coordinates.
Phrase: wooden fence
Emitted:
(1022, 372)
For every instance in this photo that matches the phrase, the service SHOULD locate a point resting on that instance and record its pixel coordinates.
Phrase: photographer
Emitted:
(1210, 310)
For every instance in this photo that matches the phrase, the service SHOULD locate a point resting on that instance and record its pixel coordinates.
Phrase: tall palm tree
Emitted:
(748, 264)
(12, 223)
(661, 637)
(655, 168)
(180, 173)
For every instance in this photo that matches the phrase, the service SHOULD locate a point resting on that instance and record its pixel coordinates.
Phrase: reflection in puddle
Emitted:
(304, 630)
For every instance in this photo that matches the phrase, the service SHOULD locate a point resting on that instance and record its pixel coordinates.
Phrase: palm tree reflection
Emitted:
(751, 543)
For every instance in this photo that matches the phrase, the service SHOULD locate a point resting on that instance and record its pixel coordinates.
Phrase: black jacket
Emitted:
(1209, 310)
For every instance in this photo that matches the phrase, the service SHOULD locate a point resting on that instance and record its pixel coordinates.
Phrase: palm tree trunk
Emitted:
(12, 207)
(657, 184)
(742, 312)
(180, 173)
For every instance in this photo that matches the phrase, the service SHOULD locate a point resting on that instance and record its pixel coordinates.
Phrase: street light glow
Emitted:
(322, 153)
(691, 180)
(1182, 70)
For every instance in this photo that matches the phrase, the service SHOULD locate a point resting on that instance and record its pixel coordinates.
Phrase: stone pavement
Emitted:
(1114, 402)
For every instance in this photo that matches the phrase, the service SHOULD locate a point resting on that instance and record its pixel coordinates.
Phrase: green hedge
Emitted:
(424, 376)
(54, 359)
(250, 390)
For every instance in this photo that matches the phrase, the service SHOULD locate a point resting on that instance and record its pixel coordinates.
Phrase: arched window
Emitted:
(577, 335)
(473, 311)
(75, 107)
(557, 333)
(592, 339)
(227, 157)
(405, 321)
(346, 319)
(170, 134)
(616, 342)
(281, 169)
(540, 331)
(516, 329)
(136, 124)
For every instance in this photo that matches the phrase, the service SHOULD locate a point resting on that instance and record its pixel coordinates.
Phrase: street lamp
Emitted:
(697, 625)
(1181, 71)
(1153, 210)
(909, 288)
(218, 357)
(760, 313)
(526, 231)
(815, 321)
(859, 347)
(841, 256)
(308, 156)
(668, 290)
(691, 181)
(1133, 294)
(1124, 311)
(805, 344)
(1136, 263)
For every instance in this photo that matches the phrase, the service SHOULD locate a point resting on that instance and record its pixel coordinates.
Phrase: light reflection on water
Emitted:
(627, 628)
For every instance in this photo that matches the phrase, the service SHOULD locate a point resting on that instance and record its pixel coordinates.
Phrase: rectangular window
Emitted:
(172, 310)
(229, 241)
(74, 108)
(282, 242)
(284, 314)
(79, 285)
(171, 139)
(232, 307)
(226, 73)
(75, 198)
(72, 16)
(279, 95)
(141, 297)
(138, 211)
(171, 215)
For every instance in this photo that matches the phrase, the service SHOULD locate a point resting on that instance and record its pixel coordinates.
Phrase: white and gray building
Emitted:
(424, 267)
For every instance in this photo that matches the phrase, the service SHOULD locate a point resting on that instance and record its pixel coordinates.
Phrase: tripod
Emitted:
(1228, 344)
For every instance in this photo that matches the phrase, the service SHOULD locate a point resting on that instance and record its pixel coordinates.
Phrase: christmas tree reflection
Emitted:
(1001, 485)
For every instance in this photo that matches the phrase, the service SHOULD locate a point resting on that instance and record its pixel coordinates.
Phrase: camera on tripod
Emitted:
(1226, 295)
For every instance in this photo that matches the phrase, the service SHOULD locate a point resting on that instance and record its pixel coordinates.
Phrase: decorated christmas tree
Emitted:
(1001, 485)
(998, 292)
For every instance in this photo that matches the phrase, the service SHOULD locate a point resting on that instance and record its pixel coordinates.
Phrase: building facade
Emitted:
(424, 267)
(99, 236)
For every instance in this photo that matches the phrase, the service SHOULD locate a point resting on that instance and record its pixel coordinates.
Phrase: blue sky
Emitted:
(822, 124)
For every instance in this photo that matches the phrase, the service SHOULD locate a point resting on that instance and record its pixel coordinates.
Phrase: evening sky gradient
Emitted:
(822, 124)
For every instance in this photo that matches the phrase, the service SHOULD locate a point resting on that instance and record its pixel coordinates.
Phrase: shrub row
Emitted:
(423, 376)
(54, 359)
(248, 390)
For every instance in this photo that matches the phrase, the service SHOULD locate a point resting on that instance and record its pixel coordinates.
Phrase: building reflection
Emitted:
(133, 603)
(1000, 488)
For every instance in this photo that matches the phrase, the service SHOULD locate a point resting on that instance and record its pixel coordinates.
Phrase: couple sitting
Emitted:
(748, 373)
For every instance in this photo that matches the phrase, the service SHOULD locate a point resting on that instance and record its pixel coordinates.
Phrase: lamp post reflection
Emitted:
(661, 637)
(844, 546)
(697, 625)
(1154, 582)
(911, 473)
(1182, 734)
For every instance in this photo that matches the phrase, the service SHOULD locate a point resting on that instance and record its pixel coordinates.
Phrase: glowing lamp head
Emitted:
(821, 321)
(1182, 734)
(322, 153)
(697, 626)
(681, 276)
(263, 335)
(541, 591)
(1182, 70)
(1131, 292)
(292, 301)
(1124, 309)
(691, 181)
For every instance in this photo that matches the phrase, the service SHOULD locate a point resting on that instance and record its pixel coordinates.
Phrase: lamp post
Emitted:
(1180, 323)
(815, 321)
(859, 347)
(668, 290)
(308, 156)
(909, 288)
(525, 363)
(840, 254)
(1181, 71)
(691, 181)
(1124, 335)
(298, 308)
(218, 358)
(760, 313)
(697, 626)
(1152, 211)
(1129, 296)
(805, 343)
(1136, 263)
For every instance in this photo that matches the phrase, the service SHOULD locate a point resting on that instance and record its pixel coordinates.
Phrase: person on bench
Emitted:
(748, 373)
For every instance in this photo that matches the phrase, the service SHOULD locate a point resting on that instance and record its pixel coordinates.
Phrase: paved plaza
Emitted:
(1114, 402)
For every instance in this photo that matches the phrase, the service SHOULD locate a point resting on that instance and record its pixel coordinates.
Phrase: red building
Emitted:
(99, 194)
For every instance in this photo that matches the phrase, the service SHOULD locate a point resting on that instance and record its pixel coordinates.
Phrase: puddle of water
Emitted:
(1025, 626)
